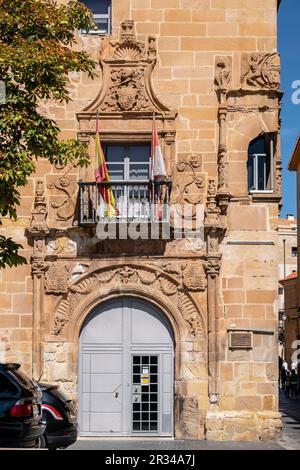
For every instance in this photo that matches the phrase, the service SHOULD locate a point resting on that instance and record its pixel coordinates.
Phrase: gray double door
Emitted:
(126, 368)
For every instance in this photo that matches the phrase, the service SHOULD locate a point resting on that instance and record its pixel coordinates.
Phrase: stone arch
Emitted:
(162, 290)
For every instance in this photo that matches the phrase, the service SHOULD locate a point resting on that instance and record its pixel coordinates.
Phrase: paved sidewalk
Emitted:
(290, 410)
(290, 439)
(168, 444)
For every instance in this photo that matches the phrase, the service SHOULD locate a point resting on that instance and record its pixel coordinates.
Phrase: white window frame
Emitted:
(126, 162)
(99, 32)
(255, 157)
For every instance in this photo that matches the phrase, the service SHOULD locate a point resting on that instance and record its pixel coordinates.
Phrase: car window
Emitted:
(22, 379)
(7, 388)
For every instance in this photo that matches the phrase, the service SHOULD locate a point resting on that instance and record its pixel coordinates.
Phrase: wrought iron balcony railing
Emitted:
(135, 201)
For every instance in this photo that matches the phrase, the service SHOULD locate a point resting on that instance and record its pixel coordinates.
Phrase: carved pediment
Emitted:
(127, 67)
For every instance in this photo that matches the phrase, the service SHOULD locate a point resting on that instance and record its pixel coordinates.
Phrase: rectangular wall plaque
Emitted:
(240, 340)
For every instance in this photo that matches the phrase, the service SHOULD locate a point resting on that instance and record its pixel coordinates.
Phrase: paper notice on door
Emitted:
(144, 379)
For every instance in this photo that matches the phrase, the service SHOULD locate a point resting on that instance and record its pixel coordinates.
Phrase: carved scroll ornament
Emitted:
(192, 189)
(66, 207)
(131, 276)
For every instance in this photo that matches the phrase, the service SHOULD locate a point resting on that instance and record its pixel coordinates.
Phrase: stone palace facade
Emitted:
(172, 336)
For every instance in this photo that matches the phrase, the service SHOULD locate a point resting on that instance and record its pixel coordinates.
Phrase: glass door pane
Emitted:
(145, 393)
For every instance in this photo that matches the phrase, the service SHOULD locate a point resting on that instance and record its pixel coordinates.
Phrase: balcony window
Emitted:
(261, 164)
(129, 170)
(128, 162)
(101, 14)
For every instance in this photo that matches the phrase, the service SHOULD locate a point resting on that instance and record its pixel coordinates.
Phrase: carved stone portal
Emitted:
(128, 277)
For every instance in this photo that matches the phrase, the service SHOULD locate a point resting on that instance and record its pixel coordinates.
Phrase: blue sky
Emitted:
(289, 49)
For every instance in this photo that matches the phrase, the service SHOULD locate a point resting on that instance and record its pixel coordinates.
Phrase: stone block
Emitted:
(217, 44)
(260, 296)
(176, 59)
(248, 402)
(241, 372)
(5, 302)
(22, 303)
(247, 218)
(226, 372)
(206, 16)
(222, 29)
(234, 296)
(9, 321)
(183, 29)
(268, 402)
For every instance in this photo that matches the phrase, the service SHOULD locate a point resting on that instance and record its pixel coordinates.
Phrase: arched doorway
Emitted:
(126, 371)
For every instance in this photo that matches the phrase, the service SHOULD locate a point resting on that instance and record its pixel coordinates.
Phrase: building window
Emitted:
(261, 164)
(294, 251)
(101, 14)
(128, 162)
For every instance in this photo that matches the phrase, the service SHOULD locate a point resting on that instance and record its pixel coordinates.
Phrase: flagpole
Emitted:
(152, 162)
(97, 121)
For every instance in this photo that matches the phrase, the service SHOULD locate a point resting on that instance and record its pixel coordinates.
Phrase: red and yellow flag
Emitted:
(107, 197)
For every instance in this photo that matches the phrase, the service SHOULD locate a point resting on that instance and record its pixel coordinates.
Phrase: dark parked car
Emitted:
(58, 411)
(21, 423)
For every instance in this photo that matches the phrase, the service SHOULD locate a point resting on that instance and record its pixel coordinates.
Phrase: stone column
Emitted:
(38, 232)
(222, 85)
(38, 271)
(213, 229)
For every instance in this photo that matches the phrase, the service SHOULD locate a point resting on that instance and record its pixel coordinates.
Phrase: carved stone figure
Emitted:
(212, 266)
(38, 224)
(223, 72)
(261, 71)
(57, 278)
(39, 267)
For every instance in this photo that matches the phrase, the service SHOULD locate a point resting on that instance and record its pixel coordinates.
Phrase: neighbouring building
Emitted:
(167, 336)
(288, 256)
(291, 283)
(291, 316)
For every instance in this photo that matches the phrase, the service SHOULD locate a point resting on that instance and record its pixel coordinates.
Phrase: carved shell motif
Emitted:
(147, 277)
(167, 287)
(131, 52)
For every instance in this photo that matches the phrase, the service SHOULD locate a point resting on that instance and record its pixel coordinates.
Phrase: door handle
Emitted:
(116, 394)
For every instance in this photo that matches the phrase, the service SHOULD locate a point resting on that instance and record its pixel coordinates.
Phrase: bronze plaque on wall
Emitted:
(240, 340)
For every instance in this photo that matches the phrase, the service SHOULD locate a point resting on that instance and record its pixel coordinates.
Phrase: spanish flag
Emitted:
(107, 198)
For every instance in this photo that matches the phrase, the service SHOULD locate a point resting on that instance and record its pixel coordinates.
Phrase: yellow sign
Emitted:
(144, 379)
